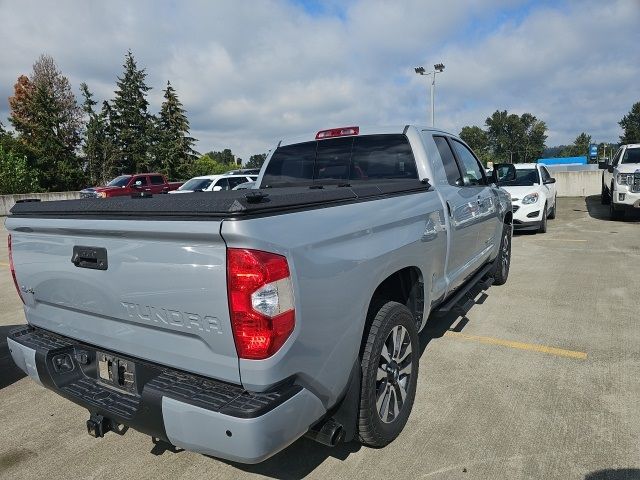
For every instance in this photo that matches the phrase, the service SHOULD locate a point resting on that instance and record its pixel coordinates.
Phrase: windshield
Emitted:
(196, 184)
(120, 181)
(632, 155)
(524, 177)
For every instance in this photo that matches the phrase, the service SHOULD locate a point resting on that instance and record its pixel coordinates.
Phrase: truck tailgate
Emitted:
(162, 296)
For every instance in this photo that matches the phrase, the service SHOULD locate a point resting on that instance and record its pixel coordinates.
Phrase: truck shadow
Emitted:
(601, 212)
(9, 372)
(614, 474)
(298, 460)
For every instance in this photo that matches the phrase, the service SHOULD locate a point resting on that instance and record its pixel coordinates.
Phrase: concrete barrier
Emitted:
(8, 201)
(578, 184)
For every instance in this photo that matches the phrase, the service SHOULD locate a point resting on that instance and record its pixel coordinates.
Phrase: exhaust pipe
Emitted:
(328, 433)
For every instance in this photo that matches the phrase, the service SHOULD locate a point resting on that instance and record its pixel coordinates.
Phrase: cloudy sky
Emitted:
(252, 71)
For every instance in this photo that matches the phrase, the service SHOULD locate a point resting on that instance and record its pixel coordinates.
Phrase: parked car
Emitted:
(256, 317)
(246, 186)
(533, 195)
(621, 181)
(245, 171)
(214, 183)
(130, 184)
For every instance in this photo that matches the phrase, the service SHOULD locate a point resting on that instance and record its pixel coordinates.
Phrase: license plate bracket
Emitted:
(116, 372)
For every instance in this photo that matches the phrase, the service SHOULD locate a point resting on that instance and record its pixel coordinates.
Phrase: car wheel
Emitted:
(543, 222)
(605, 198)
(552, 213)
(502, 263)
(389, 375)
(614, 212)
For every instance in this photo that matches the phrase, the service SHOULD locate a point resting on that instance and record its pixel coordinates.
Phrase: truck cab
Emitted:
(621, 181)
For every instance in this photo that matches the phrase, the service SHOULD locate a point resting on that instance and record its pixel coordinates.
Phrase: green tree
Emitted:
(15, 174)
(207, 165)
(515, 138)
(630, 124)
(48, 121)
(478, 140)
(131, 123)
(174, 148)
(256, 161)
(579, 148)
(226, 157)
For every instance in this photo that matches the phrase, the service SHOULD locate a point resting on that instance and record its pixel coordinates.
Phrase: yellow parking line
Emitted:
(560, 240)
(532, 347)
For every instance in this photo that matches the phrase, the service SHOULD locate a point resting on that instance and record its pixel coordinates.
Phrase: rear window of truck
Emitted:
(341, 160)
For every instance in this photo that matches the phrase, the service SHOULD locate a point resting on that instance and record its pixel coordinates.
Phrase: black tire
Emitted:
(605, 197)
(502, 263)
(614, 212)
(543, 222)
(552, 213)
(383, 379)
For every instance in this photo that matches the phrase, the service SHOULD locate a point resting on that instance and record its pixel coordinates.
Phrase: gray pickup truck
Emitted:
(233, 323)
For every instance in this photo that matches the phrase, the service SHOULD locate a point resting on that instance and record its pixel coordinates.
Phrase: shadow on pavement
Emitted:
(9, 373)
(601, 212)
(614, 474)
(299, 459)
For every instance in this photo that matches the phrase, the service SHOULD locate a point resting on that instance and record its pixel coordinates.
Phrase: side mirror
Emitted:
(610, 168)
(503, 172)
(217, 188)
(602, 164)
(550, 180)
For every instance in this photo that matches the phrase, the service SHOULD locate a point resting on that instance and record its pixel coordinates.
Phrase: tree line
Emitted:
(60, 144)
(510, 138)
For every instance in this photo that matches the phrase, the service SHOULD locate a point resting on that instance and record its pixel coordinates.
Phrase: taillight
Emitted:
(11, 267)
(260, 302)
(337, 132)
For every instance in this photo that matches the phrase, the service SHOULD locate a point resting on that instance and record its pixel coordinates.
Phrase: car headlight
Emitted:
(625, 178)
(101, 195)
(529, 199)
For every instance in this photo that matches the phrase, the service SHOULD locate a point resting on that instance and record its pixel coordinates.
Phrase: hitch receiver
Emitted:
(97, 425)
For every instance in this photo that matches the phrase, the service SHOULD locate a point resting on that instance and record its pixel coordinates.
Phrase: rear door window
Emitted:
(448, 161)
(157, 180)
(235, 181)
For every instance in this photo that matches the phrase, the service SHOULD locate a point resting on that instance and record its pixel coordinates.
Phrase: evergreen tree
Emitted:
(630, 123)
(174, 151)
(131, 122)
(580, 147)
(256, 161)
(48, 120)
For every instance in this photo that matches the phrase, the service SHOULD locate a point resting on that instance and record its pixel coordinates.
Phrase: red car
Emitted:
(130, 184)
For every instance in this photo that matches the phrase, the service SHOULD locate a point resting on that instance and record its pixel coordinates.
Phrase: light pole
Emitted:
(437, 68)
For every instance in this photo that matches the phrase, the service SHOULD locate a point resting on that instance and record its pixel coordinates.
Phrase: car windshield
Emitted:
(632, 155)
(524, 177)
(120, 181)
(196, 184)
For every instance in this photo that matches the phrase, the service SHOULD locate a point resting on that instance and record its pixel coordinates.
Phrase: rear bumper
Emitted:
(190, 412)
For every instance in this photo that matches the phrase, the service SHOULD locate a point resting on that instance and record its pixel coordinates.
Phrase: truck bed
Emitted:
(217, 204)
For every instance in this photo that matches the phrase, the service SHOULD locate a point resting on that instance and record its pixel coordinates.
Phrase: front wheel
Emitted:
(605, 198)
(389, 375)
(543, 222)
(552, 213)
(502, 263)
(614, 212)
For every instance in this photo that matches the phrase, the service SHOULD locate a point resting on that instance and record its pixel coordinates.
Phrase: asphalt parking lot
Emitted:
(538, 380)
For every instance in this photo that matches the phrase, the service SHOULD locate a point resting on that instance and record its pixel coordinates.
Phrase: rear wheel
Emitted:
(389, 375)
(502, 262)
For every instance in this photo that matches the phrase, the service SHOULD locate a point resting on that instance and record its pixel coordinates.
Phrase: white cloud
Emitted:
(250, 72)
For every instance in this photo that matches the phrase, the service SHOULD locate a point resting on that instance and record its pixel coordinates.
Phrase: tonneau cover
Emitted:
(217, 204)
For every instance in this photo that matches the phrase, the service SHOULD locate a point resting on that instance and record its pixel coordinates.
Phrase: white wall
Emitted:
(578, 184)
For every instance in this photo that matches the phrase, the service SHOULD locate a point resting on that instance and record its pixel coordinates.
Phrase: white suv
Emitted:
(214, 183)
(533, 196)
(621, 180)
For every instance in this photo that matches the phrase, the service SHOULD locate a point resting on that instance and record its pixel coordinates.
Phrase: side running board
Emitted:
(461, 300)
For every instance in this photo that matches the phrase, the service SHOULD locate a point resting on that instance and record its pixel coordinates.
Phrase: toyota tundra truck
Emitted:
(234, 323)
(621, 181)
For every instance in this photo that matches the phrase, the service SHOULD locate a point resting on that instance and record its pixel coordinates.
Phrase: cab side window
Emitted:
(471, 169)
(448, 162)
